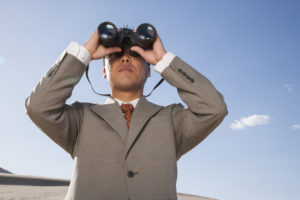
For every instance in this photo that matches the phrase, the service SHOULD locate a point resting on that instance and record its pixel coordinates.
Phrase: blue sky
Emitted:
(248, 49)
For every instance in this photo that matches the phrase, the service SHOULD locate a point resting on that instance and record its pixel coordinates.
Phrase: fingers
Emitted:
(107, 51)
(102, 52)
(94, 38)
(113, 50)
(158, 41)
(92, 43)
(95, 34)
(148, 55)
(139, 50)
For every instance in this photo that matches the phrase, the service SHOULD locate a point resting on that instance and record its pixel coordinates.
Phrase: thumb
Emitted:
(139, 50)
(113, 49)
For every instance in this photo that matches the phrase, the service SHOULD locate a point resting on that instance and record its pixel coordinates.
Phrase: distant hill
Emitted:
(5, 171)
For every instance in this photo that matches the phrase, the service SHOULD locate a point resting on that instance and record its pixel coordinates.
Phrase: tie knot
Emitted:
(127, 108)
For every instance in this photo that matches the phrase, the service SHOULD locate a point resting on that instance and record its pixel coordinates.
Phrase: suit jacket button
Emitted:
(130, 174)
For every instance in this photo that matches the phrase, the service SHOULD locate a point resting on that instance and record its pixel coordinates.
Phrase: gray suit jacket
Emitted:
(112, 162)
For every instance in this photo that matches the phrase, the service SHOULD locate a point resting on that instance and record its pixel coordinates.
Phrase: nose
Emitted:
(125, 58)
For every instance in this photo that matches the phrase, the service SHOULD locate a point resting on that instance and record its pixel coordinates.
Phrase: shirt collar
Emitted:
(111, 100)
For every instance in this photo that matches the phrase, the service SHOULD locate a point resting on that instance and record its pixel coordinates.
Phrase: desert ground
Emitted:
(18, 187)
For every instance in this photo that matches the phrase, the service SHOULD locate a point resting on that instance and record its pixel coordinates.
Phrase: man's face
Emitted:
(125, 72)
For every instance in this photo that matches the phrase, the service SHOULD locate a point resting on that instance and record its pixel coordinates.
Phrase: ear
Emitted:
(104, 72)
(148, 71)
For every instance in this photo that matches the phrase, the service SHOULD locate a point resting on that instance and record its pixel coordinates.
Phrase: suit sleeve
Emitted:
(205, 105)
(46, 105)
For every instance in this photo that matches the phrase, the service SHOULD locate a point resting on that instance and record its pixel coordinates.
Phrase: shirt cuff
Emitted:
(164, 62)
(80, 52)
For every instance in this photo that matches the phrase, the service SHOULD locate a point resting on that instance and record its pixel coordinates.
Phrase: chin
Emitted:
(125, 85)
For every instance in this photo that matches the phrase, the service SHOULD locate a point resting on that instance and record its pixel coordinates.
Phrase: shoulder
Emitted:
(82, 105)
(174, 107)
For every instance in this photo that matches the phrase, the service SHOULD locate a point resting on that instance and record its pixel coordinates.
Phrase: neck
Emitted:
(126, 96)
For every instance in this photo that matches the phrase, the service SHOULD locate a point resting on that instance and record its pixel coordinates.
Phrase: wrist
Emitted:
(164, 62)
(80, 52)
(88, 48)
(160, 56)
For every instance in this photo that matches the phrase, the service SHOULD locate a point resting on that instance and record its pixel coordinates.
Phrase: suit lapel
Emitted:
(141, 115)
(113, 115)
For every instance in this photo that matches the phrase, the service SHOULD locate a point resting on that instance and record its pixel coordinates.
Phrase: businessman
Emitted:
(127, 147)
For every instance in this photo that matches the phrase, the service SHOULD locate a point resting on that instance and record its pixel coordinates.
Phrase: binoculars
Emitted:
(110, 36)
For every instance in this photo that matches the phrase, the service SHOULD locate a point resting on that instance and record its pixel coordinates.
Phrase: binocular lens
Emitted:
(107, 30)
(146, 32)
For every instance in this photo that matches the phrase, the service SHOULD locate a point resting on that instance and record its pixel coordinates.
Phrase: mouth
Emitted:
(123, 68)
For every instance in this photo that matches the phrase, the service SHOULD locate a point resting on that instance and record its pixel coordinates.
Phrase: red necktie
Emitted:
(127, 109)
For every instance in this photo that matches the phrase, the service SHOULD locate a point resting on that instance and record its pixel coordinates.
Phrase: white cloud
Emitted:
(289, 87)
(237, 125)
(296, 127)
(2, 60)
(252, 120)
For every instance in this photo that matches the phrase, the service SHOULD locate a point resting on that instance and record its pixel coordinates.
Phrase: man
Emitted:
(117, 158)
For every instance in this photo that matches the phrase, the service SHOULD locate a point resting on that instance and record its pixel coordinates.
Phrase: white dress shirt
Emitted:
(111, 100)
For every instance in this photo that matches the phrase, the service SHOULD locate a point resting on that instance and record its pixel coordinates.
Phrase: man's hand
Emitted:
(96, 50)
(153, 55)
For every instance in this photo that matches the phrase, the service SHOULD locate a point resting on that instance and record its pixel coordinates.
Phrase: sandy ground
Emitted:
(22, 192)
(14, 187)
(9, 192)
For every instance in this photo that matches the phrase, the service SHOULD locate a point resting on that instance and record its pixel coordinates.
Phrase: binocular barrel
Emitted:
(109, 35)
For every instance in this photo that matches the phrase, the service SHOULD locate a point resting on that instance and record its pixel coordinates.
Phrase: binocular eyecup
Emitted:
(110, 36)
